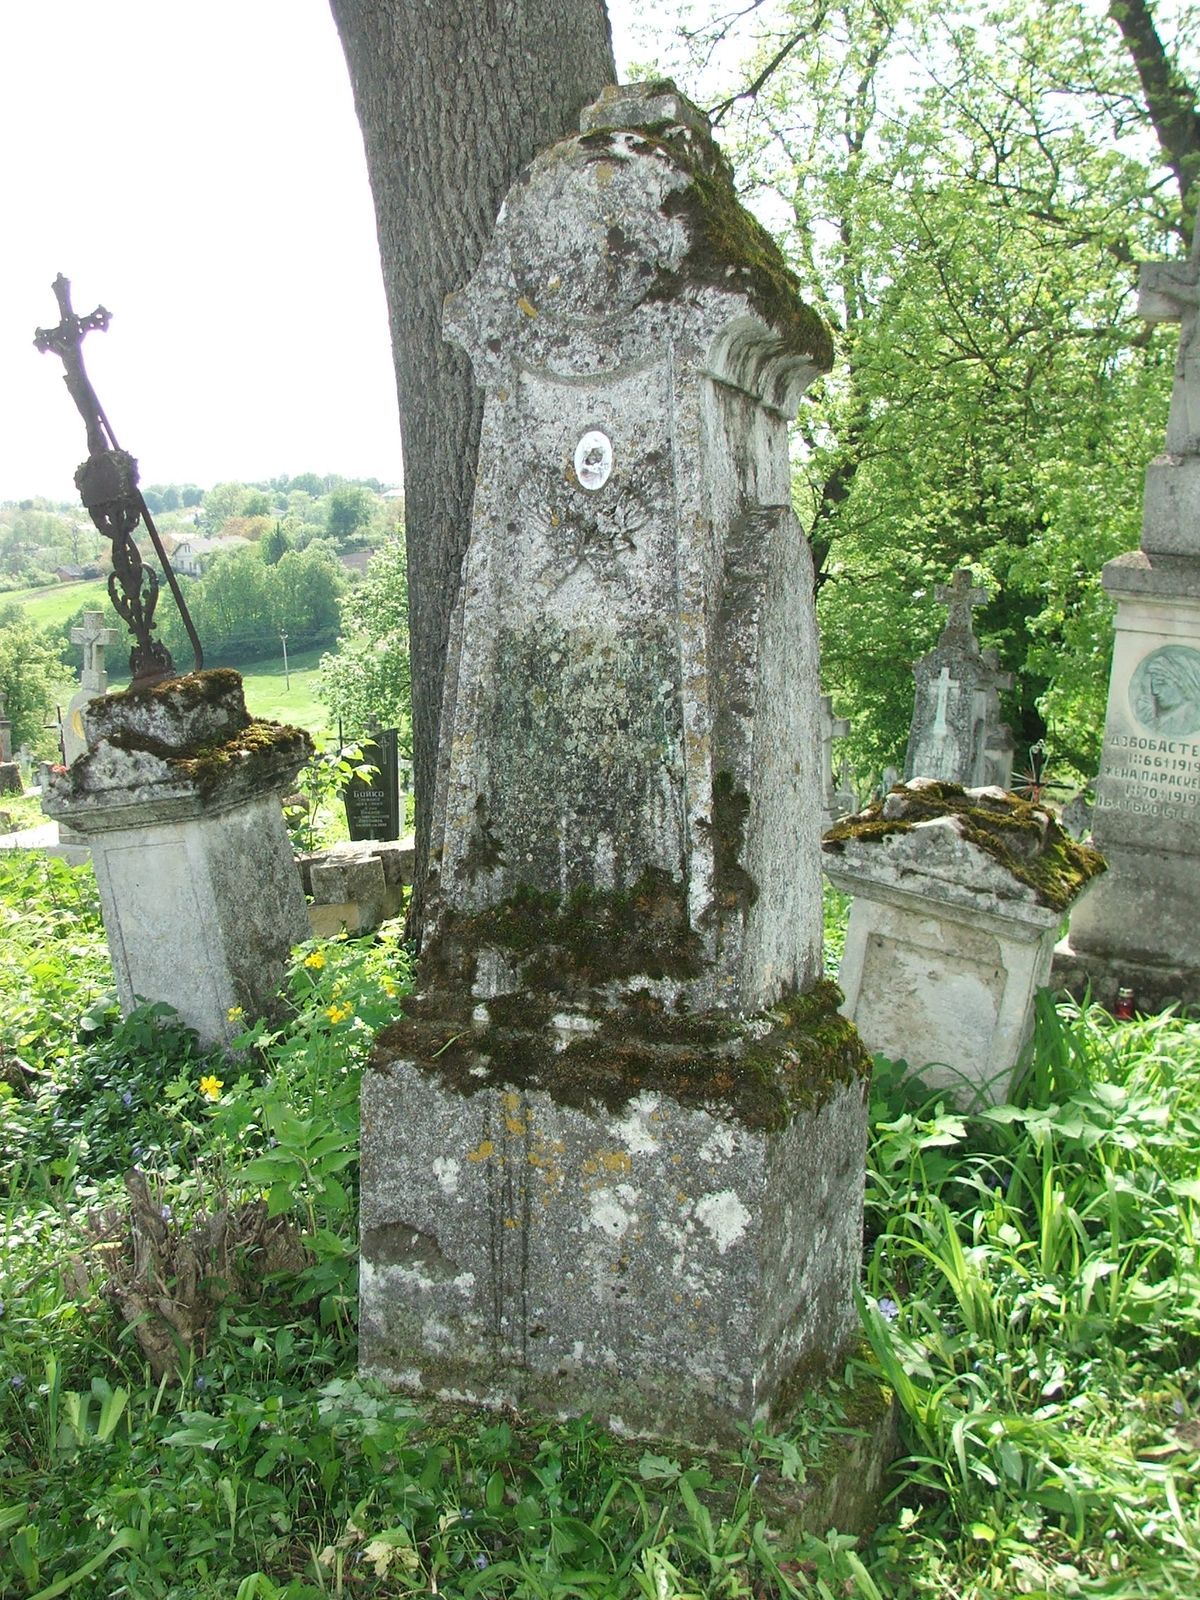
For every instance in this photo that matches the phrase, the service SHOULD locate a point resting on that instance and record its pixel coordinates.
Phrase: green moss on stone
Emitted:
(257, 746)
(192, 690)
(730, 248)
(1025, 840)
(589, 938)
(760, 1072)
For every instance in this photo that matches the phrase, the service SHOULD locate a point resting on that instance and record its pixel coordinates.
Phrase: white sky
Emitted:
(198, 170)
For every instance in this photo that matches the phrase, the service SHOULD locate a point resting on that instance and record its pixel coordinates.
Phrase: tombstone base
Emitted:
(845, 1474)
(178, 798)
(959, 896)
(1136, 931)
(10, 778)
(668, 1264)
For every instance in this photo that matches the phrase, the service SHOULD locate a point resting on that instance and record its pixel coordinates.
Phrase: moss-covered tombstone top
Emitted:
(632, 674)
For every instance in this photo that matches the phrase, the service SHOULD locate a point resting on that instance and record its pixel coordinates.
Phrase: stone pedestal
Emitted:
(959, 896)
(1141, 928)
(178, 797)
(610, 1160)
(666, 1261)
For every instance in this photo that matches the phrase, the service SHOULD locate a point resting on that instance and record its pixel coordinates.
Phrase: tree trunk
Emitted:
(1170, 99)
(454, 98)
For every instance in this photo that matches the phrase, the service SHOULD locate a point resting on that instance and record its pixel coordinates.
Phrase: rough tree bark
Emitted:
(454, 98)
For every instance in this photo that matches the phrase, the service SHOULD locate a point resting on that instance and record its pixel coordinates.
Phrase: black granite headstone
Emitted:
(373, 807)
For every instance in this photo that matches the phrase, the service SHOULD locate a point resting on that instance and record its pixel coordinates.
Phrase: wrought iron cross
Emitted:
(107, 483)
(67, 341)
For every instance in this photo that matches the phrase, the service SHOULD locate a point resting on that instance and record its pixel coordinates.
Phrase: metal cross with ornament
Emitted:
(108, 485)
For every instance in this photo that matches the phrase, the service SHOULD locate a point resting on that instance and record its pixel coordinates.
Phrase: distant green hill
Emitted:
(267, 692)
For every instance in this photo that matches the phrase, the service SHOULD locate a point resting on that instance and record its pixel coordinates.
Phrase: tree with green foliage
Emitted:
(243, 601)
(347, 509)
(33, 679)
(366, 683)
(307, 589)
(275, 542)
(954, 203)
(221, 502)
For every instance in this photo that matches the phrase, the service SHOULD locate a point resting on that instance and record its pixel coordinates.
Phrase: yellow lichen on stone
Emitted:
(483, 1151)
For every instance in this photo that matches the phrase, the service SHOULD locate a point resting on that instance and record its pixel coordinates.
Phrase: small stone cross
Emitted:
(94, 636)
(961, 596)
(1169, 291)
(947, 690)
(67, 341)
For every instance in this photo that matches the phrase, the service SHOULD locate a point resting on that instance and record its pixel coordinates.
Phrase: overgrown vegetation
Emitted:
(1031, 1291)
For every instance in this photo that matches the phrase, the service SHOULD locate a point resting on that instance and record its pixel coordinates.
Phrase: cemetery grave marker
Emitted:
(93, 679)
(178, 790)
(613, 1153)
(958, 899)
(956, 734)
(1139, 930)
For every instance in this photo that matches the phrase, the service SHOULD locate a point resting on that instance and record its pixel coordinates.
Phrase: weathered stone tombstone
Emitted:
(178, 791)
(93, 636)
(1139, 930)
(1076, 815)
(956, 734)
(178, 797)
(959, 896)
(612, 1156)
(832, 796)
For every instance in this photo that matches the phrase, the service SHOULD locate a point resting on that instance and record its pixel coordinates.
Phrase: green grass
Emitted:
(50, 606)
(1031, 1288)
(268, 694)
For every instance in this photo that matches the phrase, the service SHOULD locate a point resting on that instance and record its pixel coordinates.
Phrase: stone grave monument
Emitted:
(613, 1153)
(833, 803)
(178, 796)
(178, 790)
(93, 636)
(959, 896)
(1141, 929)
(956, 734)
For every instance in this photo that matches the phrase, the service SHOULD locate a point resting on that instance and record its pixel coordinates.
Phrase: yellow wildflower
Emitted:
(338, 1013)
(211, 1087)
(315, 959)
(235, 1013)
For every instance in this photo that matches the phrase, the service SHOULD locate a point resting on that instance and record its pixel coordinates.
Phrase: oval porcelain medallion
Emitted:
(593, 460)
